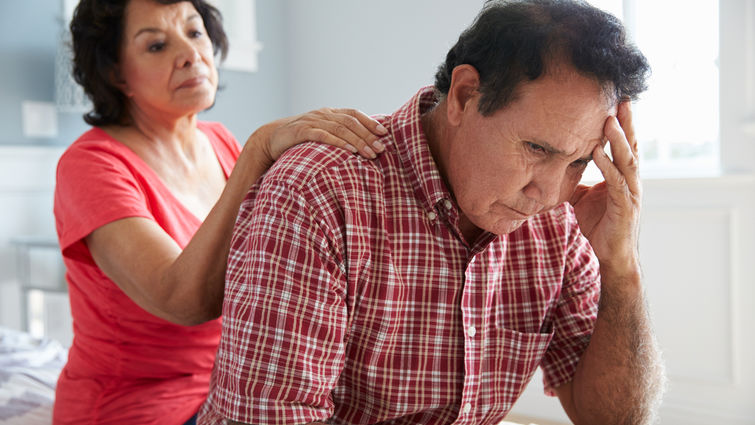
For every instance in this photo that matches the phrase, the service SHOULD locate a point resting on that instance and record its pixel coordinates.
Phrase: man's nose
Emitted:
(545, 186)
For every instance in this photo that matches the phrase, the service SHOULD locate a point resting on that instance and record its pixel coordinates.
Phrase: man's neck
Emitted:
(436, 131)
(434, 127)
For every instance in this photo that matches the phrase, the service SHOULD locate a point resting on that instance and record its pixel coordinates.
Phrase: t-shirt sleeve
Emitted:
(93, 187)
(575, 313)
(284, 314)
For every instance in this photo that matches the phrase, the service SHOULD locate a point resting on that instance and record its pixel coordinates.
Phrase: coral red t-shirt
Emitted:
(126, 365)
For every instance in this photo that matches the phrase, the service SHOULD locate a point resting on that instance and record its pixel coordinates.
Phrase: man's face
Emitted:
(529, 156)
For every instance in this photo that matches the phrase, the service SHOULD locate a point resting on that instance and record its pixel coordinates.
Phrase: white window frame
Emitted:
(736, 150)
(737, 86)
(240, 22)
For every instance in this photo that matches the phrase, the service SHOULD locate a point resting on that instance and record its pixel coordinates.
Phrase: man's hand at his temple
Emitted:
(609, 212)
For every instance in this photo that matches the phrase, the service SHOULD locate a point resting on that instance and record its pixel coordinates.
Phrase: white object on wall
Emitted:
(40, 119)
(240, 24)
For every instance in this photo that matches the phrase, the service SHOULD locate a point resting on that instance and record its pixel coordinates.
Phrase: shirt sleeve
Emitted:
(576, 310)
(93, 187)
(284, 314)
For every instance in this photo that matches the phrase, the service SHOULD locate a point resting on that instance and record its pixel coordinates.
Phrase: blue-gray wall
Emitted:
(248, 100)
(28, 40)
(369, 55)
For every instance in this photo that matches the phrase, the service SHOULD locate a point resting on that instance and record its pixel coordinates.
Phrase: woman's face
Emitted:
(166, 66)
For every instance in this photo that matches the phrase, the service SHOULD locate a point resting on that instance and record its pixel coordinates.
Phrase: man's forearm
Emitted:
(620, 378)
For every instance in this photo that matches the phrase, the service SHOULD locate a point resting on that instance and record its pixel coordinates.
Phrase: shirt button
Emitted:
(467, 408)
(471, 331)
(432, 216)
(448, 204)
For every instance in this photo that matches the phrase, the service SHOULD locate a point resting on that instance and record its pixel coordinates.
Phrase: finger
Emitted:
(611, 174)
(370, 123)
(338, 125)
(351, 131)
(615, 181)
(625, 121)
(321, 135)
(364, 126)
(624, 159)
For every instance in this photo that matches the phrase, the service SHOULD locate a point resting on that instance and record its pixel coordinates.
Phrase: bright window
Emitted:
(677, 118)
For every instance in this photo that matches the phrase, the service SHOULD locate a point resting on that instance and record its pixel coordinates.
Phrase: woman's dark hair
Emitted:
(96, 33)
(511, 42)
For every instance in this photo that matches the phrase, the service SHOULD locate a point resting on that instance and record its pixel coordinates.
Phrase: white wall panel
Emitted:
(688, 280)
(27, 179)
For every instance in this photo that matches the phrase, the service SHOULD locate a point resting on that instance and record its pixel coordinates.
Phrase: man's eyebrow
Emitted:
(157, 30)
(548, 147)
(554, 151)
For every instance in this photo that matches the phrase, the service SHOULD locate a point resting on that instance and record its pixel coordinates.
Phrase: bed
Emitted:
(29, 369)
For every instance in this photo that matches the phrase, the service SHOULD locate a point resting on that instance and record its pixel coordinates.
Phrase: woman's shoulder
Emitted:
(225, 146)
(94, 141)
(224, 143)
(217, 130)
(96, 153)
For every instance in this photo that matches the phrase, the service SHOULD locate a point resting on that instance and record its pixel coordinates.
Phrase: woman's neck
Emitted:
(179, 133)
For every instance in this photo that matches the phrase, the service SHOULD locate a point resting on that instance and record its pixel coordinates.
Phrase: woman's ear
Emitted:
(463, 93)
(118, 82)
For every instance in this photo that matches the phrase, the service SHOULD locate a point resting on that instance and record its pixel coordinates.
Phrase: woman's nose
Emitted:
(187, 54)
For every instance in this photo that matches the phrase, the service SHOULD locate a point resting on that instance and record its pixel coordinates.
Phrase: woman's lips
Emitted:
(192, 82)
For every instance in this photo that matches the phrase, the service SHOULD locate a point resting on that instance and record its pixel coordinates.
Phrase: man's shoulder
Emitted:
(310, 164)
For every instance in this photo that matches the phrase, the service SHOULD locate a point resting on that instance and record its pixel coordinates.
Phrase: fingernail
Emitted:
(381, 129)
(370, 152)
(378, 146)
(352, 149)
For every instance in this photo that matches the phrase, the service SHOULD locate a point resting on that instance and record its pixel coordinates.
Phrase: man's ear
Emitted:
(463, 93)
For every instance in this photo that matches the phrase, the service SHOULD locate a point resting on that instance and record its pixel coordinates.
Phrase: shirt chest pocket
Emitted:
(509, 362)
(525, 304)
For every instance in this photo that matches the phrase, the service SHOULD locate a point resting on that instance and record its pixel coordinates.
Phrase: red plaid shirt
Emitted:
(350, 296)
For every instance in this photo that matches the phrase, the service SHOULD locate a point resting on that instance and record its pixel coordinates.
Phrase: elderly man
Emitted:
(426, 286)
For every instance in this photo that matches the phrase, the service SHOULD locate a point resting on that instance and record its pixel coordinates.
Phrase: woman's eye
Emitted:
(195, 34)
(156, 47)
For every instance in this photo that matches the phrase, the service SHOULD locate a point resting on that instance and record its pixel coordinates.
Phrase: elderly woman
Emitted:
(145, 203)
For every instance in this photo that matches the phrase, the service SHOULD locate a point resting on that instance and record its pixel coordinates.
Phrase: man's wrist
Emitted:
(621, 268)
(624, 277)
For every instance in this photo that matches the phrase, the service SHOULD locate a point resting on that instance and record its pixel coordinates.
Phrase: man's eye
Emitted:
(535, 147)
(580, 163)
